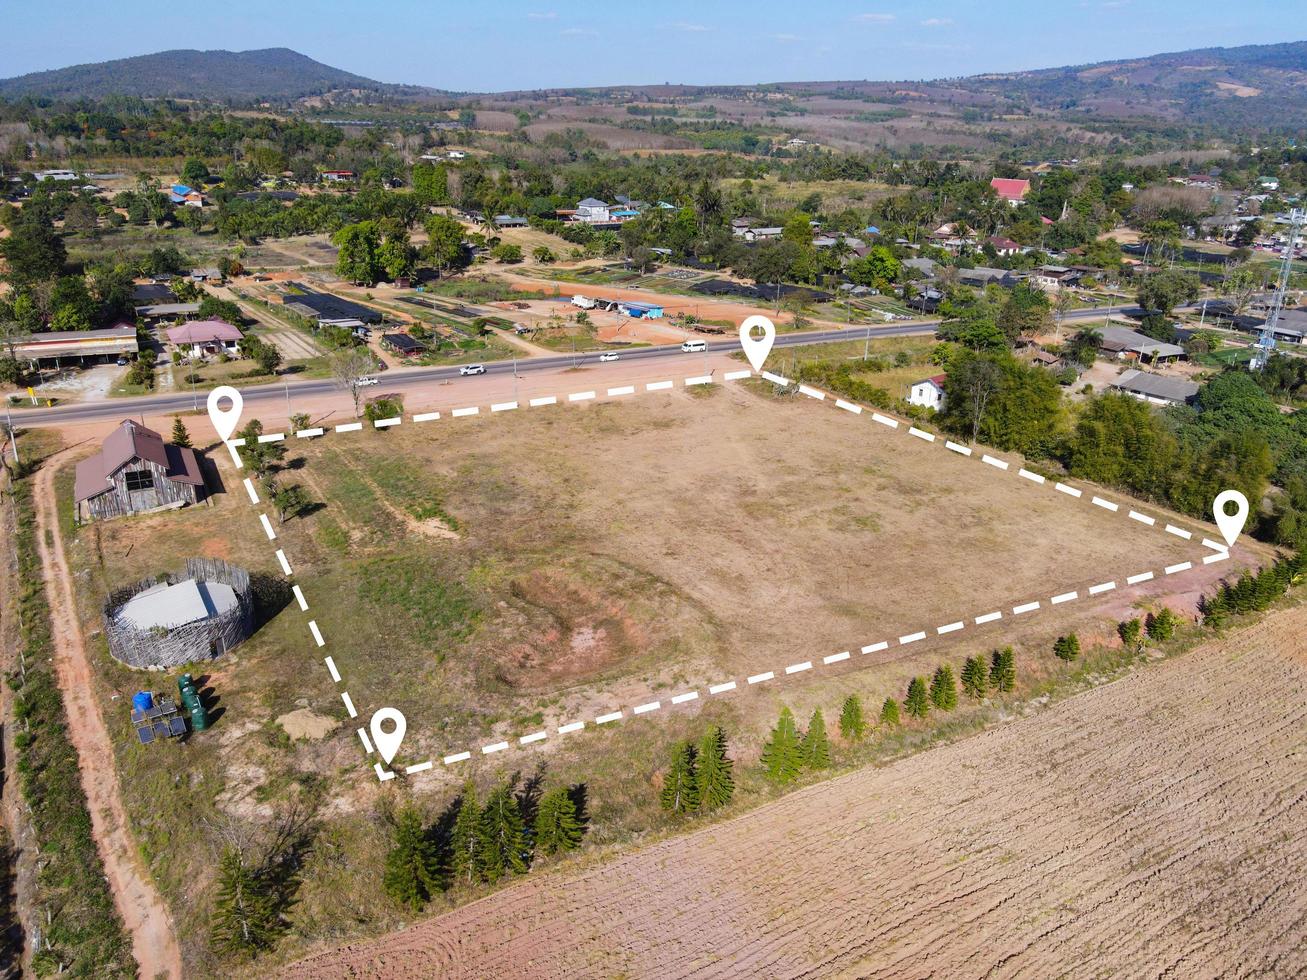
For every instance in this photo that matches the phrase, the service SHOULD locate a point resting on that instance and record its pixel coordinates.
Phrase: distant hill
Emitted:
(276, 74)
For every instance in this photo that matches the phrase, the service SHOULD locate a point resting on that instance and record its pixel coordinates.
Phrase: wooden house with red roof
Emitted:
(136, 471)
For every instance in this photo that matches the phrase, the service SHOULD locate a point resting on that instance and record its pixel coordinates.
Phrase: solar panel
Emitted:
(146, 735)
(178, 726)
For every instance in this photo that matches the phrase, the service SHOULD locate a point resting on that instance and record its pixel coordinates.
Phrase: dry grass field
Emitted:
(497, 575)
(1150, 827)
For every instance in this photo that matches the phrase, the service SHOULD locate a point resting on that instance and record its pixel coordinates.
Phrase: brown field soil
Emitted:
(598, 555)
(1154, 826)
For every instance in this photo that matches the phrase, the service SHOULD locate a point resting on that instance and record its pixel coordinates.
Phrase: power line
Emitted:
(1266, 342)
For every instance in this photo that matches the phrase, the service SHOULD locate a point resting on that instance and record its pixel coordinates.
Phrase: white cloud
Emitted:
(543, 15)
(689, 28)
(785, 38)
(874, 18)
(578, 32)
(937, 22)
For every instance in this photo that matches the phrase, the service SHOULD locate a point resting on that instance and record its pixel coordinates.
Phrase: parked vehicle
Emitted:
(584, 302)
(467, 369)
(693, 346)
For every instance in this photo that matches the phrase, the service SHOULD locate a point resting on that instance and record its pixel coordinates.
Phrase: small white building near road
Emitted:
(928, 392)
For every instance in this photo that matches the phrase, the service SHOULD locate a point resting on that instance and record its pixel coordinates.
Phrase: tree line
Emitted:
(474, 842)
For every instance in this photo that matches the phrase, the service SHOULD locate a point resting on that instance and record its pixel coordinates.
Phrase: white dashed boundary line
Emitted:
(1220, 553)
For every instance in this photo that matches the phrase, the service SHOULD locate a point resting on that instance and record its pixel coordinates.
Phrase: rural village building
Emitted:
(136, 471)
(62, 346)
(928, 392)
(1010, 189)
(202, 337)
(1156, 389)
(1125, 344)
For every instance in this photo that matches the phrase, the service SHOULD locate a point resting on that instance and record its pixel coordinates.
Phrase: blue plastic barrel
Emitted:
(142, 701)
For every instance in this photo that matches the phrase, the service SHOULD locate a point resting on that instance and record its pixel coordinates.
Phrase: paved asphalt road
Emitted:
(115, 408)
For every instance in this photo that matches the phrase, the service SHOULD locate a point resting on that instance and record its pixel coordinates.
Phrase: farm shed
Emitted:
(136, 471)
(402, 344)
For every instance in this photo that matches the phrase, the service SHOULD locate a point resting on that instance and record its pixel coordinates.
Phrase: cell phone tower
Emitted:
(1266, 342)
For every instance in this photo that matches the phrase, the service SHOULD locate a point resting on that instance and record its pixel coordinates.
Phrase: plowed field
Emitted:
(1154, 826)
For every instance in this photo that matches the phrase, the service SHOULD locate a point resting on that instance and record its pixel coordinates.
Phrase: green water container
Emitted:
(184, 684)
(199, 720)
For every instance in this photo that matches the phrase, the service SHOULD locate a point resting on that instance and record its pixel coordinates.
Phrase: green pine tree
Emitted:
(816, 745)
(714, 782)
(180, 437)
(1132, 635)
(889, 712)
(1161, 626)
(412, 873)
(917, 703)
(944, 689)
(853, 726)
(245, 918)
(1067, 647)
(465, 840)
(680, 793)
(782, 755)
(503, 835)
(975, 679)
(1003, 671)
(557, 827)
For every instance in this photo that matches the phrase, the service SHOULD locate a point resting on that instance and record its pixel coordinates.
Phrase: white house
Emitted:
(593, 211)
(55, 175)
(928, 392)
(455, 155)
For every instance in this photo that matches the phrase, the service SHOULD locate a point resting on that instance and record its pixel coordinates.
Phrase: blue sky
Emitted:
(494, 45)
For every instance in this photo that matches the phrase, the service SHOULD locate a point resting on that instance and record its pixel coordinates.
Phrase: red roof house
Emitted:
(205, 335)
(1011, 189)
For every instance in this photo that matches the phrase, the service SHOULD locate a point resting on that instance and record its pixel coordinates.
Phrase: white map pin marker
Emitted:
(225, 420)
(387, 742)
(1230, 524)
(756, 349)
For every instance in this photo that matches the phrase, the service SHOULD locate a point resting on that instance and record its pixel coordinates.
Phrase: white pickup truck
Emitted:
(584, 302)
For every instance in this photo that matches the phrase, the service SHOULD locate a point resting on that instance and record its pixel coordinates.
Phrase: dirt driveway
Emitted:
(154, 944)
(1153, 826)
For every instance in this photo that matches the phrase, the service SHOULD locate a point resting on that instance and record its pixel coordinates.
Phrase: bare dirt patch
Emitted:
(1155, 824)
(304, 723)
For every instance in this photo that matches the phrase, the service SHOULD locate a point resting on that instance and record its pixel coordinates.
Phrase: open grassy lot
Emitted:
(497, 575)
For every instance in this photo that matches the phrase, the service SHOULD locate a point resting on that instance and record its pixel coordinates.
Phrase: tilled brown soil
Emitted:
(1156, 826)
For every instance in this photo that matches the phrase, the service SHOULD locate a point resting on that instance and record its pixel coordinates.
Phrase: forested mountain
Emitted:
(220, 76)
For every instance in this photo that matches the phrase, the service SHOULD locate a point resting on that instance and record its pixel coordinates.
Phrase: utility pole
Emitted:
(13, 438)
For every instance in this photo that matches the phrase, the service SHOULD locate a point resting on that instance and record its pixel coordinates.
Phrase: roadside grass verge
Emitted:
(80, 931)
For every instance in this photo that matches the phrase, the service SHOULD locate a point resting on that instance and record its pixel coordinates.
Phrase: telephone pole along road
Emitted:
(400, 378)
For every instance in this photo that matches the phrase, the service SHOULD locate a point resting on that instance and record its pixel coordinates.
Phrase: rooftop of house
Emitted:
(1010, 188)
(203, 332)
(1156, 386)
(130, 441)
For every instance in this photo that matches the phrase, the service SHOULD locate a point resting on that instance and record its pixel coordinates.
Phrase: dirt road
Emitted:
(154, 944)
(1154, 826)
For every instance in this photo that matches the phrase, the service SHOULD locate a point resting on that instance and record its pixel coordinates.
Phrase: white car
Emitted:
(364, 382)
(467, 369)
(608, 356)
(692, 346)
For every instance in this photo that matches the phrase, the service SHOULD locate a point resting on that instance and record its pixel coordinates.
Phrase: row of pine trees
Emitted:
(481, 842)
